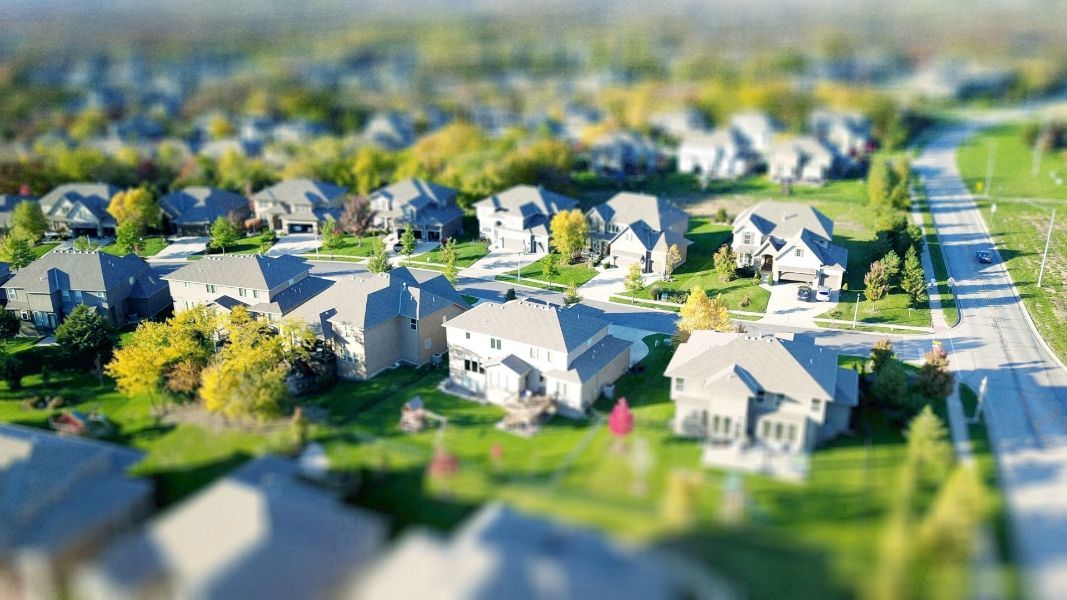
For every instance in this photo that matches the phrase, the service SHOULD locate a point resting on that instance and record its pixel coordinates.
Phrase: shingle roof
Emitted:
(786, 219)
(528, 200)
(798, 367)
(432, 204)
(593, 360)
(651, 239)
(301, 191)
(73, 270)
(626, 208)
(80, 203)
(198, 204)
(542, 325)
(252, 271)
(366, 300)
(293, 296)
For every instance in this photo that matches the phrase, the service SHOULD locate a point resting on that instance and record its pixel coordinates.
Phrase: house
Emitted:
(80, 209)
(800, 160)
(501, 352)
(193, 210)
(268, 287)
(299, 205)
(848, 134)
(426, 207)
(264, 531)
(501, 553)
(633, 228)
(390, 130)
(789, 242)
(124, 289)
(623, 153)
(779, 392)
(63, 498)
(756, 130)
(679, 123)
(8, 202)
(374, 321)
(520, 217)
(721, 154)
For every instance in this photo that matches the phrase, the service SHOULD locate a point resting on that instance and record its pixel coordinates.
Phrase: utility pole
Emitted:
(856, 311)
(1037, 152)
(989, 166)
(1048, 240)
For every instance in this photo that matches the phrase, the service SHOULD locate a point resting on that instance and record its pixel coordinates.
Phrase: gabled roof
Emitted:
(73, 270)
(528, 200)
(293, 296)
(200, 204)
(626, 208)
(301, 191)
(367, 299)
(542, 325)
(650, 239)
(593, 360)
(786, 219)
(794, 366)
(79, 203)
(710, 141)
(829, 255)
(417, 193)
(252, 271)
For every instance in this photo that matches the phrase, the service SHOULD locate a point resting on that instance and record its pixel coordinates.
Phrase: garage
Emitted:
(796, 277)
(301, 228)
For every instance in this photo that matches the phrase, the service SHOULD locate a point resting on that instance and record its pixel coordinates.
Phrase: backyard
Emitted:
(1020, 226)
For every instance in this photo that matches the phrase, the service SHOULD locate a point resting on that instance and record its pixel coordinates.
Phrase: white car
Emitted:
(822, 294)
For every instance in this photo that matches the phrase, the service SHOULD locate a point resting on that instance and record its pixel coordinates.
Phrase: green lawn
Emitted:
(1020, 225)
(353, 246)
(699, 271)
(44, 248)
(578, 274)
(246, 245)
(150, 246)
(937, 257)
(467, 253)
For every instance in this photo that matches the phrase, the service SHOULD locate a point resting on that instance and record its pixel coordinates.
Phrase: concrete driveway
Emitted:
(180, 249)
(295, 243)
(500, 262)
(784, 308)
(610, 282)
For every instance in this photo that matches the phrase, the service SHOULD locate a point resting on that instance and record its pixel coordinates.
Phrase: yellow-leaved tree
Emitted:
(569, 232)
(135, 205)
(701, 312)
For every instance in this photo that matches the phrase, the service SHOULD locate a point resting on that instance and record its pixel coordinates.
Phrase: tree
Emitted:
(880, 182)
(127, 237)
(448, 257)
(633, 282)
(84, 244)
(725, 263)
(370, 167)
(17, 252)
(379, 261)
(876, 282)
(891, 262)
(11, 370)
(407, 242)
(357, 217)
(569, 232)
(85, 335)
(223, 234)
(136, 205)
(332, 236)
(890, 387)
(621, 419)
(247, 376)
(671, 260)
(929, 448)
(28, 221)
(550, 267)
(935, 381)
(571, 296)
(881, 354)
(510, 295)
(913, 279)
(700, 312)
(9, 323)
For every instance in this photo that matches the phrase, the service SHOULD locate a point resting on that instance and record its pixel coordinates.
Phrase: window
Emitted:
(14, 293)
(494, 343)
(777, 431)
(548, 356)
(533, 352)
(186, 283)
(132, 279)
(747, 238)
(242, 292)
(255, 293)
(816, 404)
(467, 335)
(66, 295)
(210, 288)
(791, 433)
(414, 324)
(679, 385)
(472, 365)
(78, 296)
(798, 252)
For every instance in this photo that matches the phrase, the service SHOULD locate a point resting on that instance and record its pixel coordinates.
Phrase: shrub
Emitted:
(746, 300)
(11, 371)
(9, 323)
(655, 290)
(56, 403)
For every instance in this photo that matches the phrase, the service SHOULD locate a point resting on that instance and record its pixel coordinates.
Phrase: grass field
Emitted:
(150, 246)
(44, 248)
(353, 246)
(1020, 225)
(467, 253)
(577, 273)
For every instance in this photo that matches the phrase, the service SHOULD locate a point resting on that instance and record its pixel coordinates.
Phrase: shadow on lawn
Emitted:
(403, 495)
(174, 485)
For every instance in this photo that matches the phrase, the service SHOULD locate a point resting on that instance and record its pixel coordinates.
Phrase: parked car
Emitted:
(984, 257)
(823, 294)
(804, 293)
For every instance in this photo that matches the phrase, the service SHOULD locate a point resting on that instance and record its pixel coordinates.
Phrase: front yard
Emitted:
(577, 274)
(467, 253)
(150, 246)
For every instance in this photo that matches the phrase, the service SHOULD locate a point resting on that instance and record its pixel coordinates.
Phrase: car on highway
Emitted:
(823, 294)
(984, 257)
(804, 293)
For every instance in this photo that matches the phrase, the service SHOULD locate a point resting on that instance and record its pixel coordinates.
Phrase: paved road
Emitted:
(1027, 393)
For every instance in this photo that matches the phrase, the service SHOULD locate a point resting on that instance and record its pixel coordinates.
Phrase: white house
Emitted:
(721, 154)
(519, 218)
(756, 130)
(633, 228)
(803, 159)
(789, 242)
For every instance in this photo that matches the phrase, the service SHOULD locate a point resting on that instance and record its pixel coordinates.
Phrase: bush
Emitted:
(721, 216)
(11, 371)
(56, 403)
(510, 295)
(654, 290)
(9, 323)
(32, 403)
(85, 335)
(746, 300)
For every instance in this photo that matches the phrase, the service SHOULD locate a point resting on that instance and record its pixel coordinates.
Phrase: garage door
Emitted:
(785, 276)
(299, 228)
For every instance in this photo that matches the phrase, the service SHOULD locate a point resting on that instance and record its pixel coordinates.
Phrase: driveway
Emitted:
(295, 243)
(608, 283)
(784, 308)
(180, 249)
(500, 262)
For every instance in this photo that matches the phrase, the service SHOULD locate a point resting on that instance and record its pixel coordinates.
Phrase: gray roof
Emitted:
(626, 208)
(786, 219)
(829, 254)
(367, 299)
(58, 492)
(301, 191)
(542, 325)
(794, 366)
(593, 360)
(252, 271)
(80, 203)
(8, 202)
(500, 553)
(430, 203)
(292, 297)
(73, 270)
(512, 363)
(528, 200)
(651, 239)
(198, 205)
(261, 532)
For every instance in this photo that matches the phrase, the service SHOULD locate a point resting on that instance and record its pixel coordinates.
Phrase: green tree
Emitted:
(9, 323)
(571, 296)
(876, 282)
(671, 260)
(633, 282)
(370, 167)
(913, 279)
(16, 252)
(725, 263)
(881, 354)
(935, 381)
(929, 448)
(880, 182)
(136, 205)
(448, 257)
(379, 261)
(28, 221)
(223, 234)
(85, 335)
(84, 244)
(569, 232)
(89, 123)
(332, 236)
(891, 262)
(890, 387)
(700, 312)
(11, 370)
(550, 267)
(127, 237)
(407, 242)
(247, 377)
